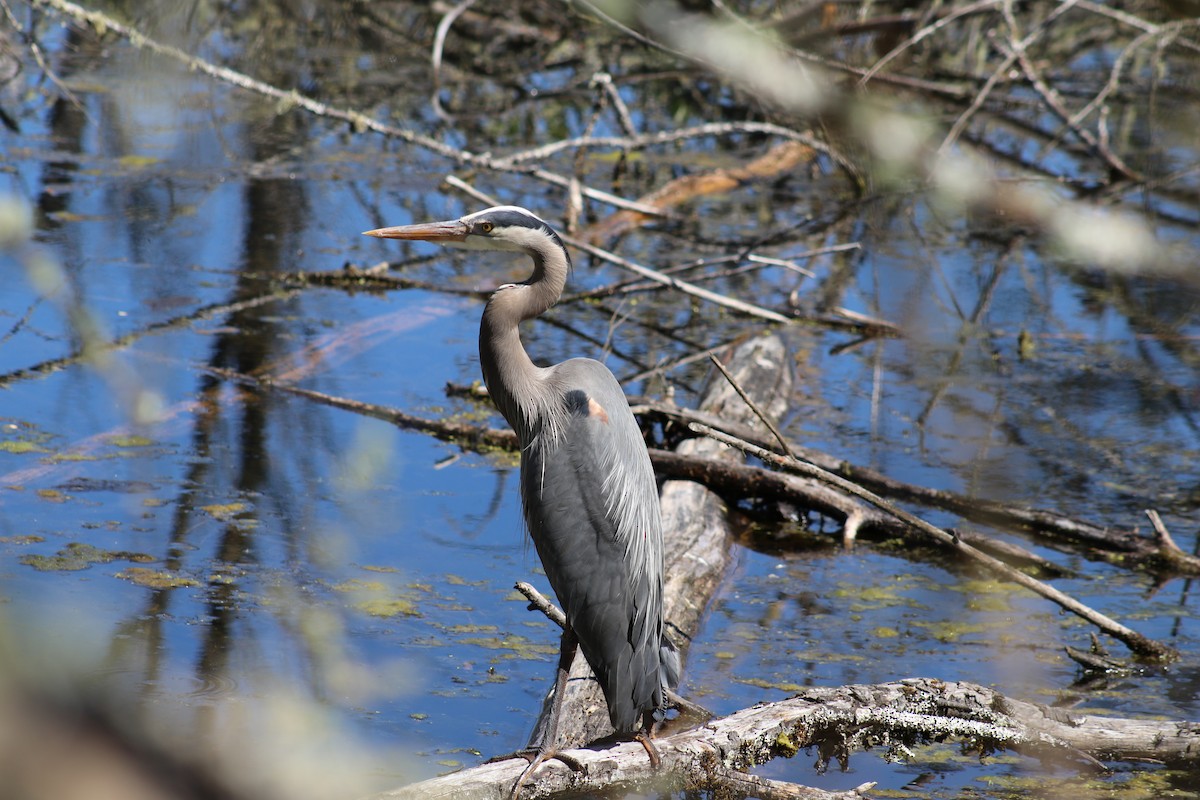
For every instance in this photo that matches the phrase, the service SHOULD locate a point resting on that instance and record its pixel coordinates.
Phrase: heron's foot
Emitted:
(535, 759)
(651, 750)
(530, 754)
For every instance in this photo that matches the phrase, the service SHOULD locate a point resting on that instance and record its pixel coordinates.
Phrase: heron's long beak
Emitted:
(449, 231)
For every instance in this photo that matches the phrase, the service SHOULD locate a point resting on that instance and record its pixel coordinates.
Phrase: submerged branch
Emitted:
(1130, 548)
(1139, 644)
(464, 433)
(99, 346)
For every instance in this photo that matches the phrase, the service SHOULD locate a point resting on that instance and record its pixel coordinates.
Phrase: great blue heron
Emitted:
(587, 487)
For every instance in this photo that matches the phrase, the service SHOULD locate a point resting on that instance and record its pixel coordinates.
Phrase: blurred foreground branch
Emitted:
(904, 147)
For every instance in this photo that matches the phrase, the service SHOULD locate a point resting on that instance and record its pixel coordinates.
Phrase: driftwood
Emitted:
(780, 159)
(829, 724)
(834, 722)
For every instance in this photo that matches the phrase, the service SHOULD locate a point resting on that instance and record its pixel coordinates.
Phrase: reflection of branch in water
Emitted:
(347, 341)
(477, 522)
(439, 42)
(120, 342)
(965, 336)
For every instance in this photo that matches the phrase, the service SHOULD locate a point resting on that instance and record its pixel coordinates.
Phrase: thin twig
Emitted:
(1114, 77)
(789, 264)
(1139, 23)
(675, 283)
(757, 262)
(924, 33)
(604, 81)
(1055, 103)
(573, 185)
(439, 43)
(673, 364)
(758, 412)
(633, 266)
(692, 712)
(642, 140)
(542, 603)
(1166, 541)
(1001, 71)
(40, 60)
(977, 102)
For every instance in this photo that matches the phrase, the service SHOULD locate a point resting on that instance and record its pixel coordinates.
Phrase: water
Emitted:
(254, 558)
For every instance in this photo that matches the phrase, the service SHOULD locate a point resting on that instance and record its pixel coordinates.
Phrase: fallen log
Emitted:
(835, 722)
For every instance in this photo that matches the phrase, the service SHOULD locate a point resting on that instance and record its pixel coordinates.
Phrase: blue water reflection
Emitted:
(251, 542)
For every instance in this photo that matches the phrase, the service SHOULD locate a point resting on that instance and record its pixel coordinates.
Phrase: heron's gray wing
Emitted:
(592, 507)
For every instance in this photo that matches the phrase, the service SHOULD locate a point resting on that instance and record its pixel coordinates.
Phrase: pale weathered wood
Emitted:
(838, 721)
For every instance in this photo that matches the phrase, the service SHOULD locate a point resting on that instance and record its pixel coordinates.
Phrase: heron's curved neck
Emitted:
(516, 385)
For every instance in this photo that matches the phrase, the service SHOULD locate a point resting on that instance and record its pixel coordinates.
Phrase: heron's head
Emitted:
(500, 228)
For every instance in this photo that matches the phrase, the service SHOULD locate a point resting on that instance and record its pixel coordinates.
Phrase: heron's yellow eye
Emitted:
(486, 227)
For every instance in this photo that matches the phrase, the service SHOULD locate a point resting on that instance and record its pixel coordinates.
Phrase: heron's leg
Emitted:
(646, 737)
(548, 746)
(687, 709)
